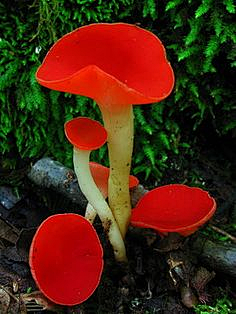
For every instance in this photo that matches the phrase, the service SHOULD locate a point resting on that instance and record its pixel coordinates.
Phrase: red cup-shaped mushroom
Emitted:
(66, 259)
(86, 135)
(174, 208)
(117, 65)
(100, 176)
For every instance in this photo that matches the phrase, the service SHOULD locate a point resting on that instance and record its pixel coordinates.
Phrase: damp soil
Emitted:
(164, 275)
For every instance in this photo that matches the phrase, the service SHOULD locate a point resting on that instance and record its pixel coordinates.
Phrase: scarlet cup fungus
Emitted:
(117, 65)
(100, 176)
(66, 259)
(86, 135)
(174, 208)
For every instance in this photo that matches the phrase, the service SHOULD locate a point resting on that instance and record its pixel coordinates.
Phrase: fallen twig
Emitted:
(223, 232)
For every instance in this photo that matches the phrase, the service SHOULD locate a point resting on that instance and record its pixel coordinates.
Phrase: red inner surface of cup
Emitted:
(85, 133)
(173, 208)
(66, 258)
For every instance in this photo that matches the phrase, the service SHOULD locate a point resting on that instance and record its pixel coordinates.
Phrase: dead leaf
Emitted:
(8, 232)
(4, 301)
(37, 300)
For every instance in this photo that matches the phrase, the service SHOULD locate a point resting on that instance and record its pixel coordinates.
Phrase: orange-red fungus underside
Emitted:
(174, 208)
(100, 175)
(112, 63)
(66, 259)
(85, 133)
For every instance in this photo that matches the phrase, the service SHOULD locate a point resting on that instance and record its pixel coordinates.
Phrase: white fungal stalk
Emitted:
(90, 213)
(120, 131)
(95, 198)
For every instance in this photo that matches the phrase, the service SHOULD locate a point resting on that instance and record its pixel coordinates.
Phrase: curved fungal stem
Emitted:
(95, 198)
(90, 213)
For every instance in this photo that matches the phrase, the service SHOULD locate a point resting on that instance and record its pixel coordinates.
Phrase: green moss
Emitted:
(222, 305)
(200, 37)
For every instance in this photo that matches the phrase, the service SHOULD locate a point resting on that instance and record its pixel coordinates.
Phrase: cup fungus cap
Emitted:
(174, 208)
(85, 133)
(66, 259)
(113, 64)
(100, 175)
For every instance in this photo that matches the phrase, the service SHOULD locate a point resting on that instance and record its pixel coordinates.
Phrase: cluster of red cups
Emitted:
(121, 63)
(66, 257)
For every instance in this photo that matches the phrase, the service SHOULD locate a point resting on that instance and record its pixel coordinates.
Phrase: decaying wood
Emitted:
(219, 257)
(48, 173)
